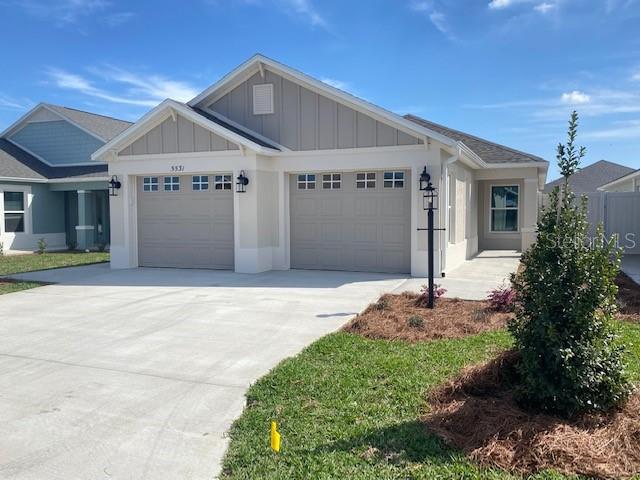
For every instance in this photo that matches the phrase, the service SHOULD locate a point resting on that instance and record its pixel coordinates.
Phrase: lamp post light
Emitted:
(242, 182)
(430, 203)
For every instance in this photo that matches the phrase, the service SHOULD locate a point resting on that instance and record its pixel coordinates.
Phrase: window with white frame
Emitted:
(393, 180)
(504, 208)
(366, 180)
(331, 181)
(171, 184)
(306, 181)
(13, 212)
(150, 184)
(200, 183)
(222, 182)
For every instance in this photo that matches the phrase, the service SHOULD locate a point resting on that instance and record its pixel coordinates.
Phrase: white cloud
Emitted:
(346, 86)
(132, 89)
(621, 130)
(117, 19)
(499, 4)
(307, 10)
(436, 16)
(575, 97)
(544, 7)
(636, 77)
(9, 103)
(70, 12)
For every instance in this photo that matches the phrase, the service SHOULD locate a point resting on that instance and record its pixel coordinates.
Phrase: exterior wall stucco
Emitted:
(177, 136)
(57, 142)
(462, 208)
(305, 120)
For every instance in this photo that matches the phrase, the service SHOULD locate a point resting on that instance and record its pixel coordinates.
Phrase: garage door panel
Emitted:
(188, 229)
(350, 228)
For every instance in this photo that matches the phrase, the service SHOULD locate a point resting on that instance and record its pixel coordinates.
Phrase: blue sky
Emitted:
(507, 70)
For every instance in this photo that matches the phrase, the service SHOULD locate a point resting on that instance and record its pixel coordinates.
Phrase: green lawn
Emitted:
(12, 264)
(348, 408)
(16, 286)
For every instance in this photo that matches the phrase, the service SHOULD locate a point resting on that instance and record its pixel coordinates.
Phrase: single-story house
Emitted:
(625, 183)
(333, 182)
(49, 187)
(591, 178)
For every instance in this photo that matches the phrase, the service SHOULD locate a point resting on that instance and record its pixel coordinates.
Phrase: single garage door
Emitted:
(354, 221)
(186, 221)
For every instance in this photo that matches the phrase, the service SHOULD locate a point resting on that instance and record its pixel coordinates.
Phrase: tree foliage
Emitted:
(571, 360)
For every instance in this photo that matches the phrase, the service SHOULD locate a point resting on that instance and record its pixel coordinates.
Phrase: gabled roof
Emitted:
(195, 115)
(99, 126)
(259, 62)
(104, 127)
(17, 164)
(624, 178)
(589, 178)
(489, 152)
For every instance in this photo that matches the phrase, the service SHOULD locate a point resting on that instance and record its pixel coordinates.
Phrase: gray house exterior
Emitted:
(49, 187)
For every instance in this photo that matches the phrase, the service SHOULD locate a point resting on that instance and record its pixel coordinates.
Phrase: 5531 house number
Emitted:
(177, 168)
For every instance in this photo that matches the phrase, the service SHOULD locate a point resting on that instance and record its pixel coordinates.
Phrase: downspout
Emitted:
(444, 233)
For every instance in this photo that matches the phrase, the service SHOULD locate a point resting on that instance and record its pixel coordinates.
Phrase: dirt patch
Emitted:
(400, 317)
(476, 413)
(628, 298)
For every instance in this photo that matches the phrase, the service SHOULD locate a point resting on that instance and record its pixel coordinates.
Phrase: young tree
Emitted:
(571, 359)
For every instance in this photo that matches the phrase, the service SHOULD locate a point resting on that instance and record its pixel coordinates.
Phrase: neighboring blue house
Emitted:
(49, 187)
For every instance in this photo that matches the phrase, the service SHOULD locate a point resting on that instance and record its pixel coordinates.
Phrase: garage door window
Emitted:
(393, 179)
(171, 184)
(504, 208)
(150, 184)
(200, 183)
(222, 182)
(366, 180)
(306, 181)
(13, 212)
(331, 181)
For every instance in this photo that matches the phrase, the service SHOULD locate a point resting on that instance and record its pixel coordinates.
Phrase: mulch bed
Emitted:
(628, 298)
(476, 413)
(402, 317)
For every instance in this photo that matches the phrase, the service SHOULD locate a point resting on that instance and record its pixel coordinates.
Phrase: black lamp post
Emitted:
(242, 182)
(430, 199)
(114, 186)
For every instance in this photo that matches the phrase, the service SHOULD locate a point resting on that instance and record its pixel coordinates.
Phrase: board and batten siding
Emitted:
(177, 136)
(58, 142)
(305, 120)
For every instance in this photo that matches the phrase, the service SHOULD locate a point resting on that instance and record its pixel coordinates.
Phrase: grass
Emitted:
(348, 407)
(12, 264)
(10, 287)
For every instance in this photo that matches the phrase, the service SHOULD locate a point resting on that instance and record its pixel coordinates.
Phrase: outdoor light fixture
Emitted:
(242, 182)
(114, 186)
(430, 203)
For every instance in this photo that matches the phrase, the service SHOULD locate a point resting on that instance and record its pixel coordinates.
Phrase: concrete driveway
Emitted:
(137, 374)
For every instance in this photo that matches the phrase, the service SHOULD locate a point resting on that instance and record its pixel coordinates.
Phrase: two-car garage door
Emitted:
(354, 221)
(186, 221)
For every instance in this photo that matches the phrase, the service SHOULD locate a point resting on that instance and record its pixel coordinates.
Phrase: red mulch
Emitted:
(401, 317)
(476, 412)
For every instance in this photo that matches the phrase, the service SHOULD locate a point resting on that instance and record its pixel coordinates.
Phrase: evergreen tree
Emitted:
(571, 360)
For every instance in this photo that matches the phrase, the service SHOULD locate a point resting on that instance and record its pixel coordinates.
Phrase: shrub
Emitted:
(101, 247)
(480, 315)
(438, 292)
(416, 321)
(571, 361)
(42, 246)
(72, 245)
(382, 303)
(1, 249)
(502, 299)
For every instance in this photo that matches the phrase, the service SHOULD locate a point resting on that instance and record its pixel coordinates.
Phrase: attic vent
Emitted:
(263, 99)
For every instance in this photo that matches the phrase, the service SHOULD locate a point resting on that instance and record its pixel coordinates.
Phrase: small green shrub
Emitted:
(72, 245)
(416, 321)
(572, 361)
(42, 246)
(1, 249)
(480, 315)
(101, 247)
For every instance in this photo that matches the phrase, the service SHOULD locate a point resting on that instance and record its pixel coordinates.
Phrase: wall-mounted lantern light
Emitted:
(425, 179)
(242, 182)
(114, 186)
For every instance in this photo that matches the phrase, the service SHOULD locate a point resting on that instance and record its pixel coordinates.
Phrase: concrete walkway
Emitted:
(475, 278)
(138, 374)
(631, 266)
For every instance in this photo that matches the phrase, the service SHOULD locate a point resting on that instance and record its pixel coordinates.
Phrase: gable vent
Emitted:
(263, 99)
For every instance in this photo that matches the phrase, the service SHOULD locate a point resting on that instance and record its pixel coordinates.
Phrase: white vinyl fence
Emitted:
(620, 214)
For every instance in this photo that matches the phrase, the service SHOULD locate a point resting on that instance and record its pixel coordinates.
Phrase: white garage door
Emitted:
(186, 221)
(354, 221)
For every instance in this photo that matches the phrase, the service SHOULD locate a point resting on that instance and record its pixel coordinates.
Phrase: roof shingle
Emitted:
(589, 178)
(100, 125)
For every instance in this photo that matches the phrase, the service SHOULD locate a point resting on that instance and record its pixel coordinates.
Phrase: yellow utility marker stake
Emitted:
(275, 437)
